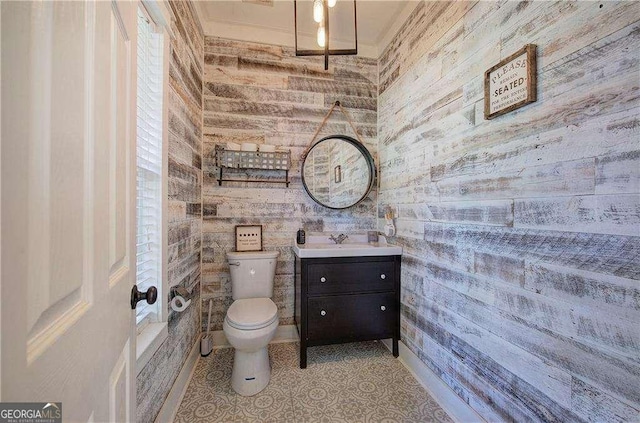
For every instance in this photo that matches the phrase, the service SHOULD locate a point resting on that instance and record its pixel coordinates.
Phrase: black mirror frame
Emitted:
(363, 150)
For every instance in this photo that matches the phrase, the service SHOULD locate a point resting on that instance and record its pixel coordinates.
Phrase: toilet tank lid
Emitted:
(251, 255)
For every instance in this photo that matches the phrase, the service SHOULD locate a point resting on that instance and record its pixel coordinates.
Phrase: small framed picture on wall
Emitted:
(249, 238)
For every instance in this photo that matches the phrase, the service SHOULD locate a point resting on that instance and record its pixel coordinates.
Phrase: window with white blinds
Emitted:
(149, 167)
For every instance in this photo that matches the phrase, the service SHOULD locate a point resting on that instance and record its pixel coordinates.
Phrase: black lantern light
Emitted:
(317, 18)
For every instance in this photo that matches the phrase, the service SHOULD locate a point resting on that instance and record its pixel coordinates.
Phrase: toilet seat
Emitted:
(252, 313)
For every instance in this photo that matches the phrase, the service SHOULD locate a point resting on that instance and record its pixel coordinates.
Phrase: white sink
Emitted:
(355, 245)
(345, 245)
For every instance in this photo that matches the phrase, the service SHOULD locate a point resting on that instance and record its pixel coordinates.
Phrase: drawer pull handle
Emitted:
(383, 276)
(323, 313)
(323, 279)
(383, 308)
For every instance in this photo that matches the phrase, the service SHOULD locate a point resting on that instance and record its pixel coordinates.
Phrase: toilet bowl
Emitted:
(252, 320)
(249, 326)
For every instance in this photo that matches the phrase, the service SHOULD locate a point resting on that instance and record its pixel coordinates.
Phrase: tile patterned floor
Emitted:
(359, 382)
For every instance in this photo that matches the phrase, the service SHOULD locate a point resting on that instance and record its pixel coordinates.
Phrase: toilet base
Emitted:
(251, 371)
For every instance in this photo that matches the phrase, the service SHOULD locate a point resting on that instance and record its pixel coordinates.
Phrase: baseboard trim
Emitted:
(170, 407)
(284, 333)
(455, 406)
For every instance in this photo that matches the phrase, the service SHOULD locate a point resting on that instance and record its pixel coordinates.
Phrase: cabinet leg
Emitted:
(303, 356)
(395, 347)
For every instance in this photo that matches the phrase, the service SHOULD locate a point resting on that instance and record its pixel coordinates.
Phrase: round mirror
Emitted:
(338, 172)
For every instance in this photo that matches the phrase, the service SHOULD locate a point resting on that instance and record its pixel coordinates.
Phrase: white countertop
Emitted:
(355, 246)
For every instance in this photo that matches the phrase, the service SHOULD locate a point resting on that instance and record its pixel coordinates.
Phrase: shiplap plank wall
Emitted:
(263, 93)
(521, 234)
(155, 380)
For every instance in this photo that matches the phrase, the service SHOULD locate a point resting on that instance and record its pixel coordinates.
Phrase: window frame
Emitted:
(150, 336)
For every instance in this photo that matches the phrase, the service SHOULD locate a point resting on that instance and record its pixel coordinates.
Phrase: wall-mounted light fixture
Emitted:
(313, 17)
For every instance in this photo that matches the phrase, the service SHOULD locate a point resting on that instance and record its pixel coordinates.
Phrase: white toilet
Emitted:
(252, 319)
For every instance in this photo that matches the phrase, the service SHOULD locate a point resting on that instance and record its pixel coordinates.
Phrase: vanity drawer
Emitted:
(338, 278)
(362, 316)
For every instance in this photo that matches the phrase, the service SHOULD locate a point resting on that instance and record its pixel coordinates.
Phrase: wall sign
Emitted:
(249, 238)
(511, 84)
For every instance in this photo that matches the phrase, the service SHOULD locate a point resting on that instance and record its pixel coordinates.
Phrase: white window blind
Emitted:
(149, 167)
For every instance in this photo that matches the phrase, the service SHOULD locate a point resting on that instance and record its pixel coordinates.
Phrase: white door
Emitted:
(68, 191)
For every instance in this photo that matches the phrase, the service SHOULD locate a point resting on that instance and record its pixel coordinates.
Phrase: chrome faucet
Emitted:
(339, 239)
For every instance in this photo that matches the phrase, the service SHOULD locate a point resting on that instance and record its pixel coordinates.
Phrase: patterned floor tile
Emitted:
(213, 373)
(202, 406)
(357, 382)
(273, 404)
(319, 397)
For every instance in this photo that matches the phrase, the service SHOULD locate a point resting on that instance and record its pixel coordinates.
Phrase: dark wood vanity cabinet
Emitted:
(346, 299)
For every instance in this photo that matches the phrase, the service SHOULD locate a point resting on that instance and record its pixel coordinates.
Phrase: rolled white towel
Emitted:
(249, 146)
(232, 146)
(267, 148)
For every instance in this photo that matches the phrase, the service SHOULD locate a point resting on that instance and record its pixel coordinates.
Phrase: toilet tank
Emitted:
(252, 273)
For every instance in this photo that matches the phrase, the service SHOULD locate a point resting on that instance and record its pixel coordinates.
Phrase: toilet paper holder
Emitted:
(180, 298)
(180, 291)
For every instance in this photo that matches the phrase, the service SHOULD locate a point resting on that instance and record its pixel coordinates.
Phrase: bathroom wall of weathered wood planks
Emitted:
(520, 283)
(264, 94)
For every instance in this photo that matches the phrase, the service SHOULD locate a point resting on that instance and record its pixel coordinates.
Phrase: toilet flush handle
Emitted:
(234, 263)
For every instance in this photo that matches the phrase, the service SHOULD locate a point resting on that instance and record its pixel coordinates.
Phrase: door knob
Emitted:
(151, 296)
(323, 279)
(383, 276)
(383, 308)
(323, 313)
